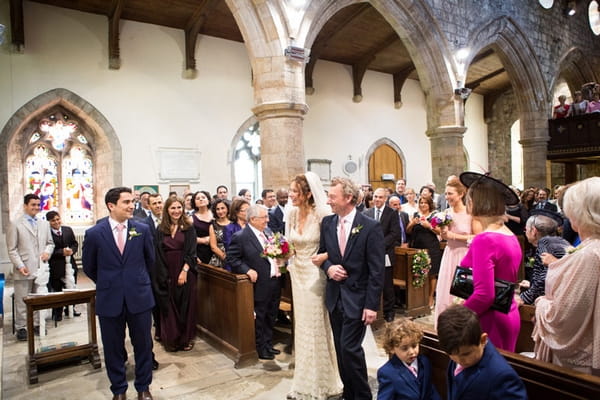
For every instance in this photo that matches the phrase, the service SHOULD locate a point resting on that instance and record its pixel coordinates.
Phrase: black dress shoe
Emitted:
(155, 364)
(389, 317)
(120, 396)
(22, 334)
(265, 355)
(273, 350)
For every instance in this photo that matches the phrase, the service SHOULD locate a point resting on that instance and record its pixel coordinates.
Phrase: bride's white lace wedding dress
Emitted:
(316, 373)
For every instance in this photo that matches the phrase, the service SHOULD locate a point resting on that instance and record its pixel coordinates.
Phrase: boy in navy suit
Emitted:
(407, 375)
(476, 370)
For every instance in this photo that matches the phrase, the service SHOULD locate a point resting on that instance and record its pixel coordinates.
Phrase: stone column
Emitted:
(280, 107)
(447, 153)
(534, 161)
(281, 142)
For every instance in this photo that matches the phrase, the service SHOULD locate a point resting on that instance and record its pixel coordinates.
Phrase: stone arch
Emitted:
(422, 37)
(576, 70)
(105, 144)
(520, 61)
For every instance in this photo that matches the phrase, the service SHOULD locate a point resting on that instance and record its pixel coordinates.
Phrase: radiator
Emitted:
(79, 237)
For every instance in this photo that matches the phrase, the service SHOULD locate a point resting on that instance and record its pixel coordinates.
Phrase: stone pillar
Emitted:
(280, 107)
(447, 153)
(281, 142)
(534, 161)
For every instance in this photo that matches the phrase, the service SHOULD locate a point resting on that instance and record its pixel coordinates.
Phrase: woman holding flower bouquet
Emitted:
(425, 236)
(457, 234)
(316, 373)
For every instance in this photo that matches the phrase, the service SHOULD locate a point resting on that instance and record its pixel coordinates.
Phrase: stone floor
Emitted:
(203, 373)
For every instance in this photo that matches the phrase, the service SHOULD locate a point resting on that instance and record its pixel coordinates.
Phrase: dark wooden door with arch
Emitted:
(385, 161)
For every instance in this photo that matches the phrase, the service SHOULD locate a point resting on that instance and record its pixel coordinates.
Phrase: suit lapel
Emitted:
(352, 237)
(407, 376)
(253, 239)
(28, 226)
(108, 237)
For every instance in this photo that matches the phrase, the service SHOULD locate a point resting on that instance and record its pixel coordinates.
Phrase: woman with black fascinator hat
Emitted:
(494, 253)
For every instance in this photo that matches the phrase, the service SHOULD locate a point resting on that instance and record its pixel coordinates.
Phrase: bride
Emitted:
(316, 373)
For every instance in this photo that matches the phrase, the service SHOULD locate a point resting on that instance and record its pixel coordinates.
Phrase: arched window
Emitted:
(59, 168)
(247, 163)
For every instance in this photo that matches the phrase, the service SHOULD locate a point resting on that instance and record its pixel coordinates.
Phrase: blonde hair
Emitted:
(349, 188)
(399, 329)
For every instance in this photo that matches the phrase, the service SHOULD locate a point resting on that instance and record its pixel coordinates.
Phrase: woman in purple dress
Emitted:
(175, 277)
(493, 253)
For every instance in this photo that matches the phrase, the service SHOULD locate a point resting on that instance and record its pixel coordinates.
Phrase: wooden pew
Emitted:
(524, 341)
(417, 299)
(226, 313)
(542, 380)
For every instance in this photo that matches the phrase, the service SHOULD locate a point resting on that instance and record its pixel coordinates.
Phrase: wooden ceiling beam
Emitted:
(481, 56)
(318, 47)
(114, 20)
(477, 82)
(17, 26)
(359, 68)
(192, 30)
(399, 78)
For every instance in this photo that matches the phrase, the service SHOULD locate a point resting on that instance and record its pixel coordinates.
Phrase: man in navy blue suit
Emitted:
(118, 255)
(354, 268)
(245, 257)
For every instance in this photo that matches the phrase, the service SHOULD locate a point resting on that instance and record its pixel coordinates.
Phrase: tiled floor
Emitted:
(202, 373)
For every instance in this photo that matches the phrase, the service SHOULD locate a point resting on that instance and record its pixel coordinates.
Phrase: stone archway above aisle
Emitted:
(386, 164)
(102, 143)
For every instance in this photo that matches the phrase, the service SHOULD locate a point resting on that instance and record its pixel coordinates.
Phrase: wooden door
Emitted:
(385, 160)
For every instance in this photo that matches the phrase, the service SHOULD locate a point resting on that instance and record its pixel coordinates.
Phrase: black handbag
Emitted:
(462, 286)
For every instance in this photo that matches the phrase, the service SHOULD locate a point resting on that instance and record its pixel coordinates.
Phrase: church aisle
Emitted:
(202, 373)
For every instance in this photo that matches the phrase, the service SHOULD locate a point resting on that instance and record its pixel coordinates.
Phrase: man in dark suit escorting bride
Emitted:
(355, 268)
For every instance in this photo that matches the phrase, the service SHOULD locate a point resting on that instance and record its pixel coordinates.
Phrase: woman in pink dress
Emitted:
(457, 234)
(494, 253)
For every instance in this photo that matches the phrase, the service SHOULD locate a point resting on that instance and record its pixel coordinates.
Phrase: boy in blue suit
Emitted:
(407, 375)
(476, 370)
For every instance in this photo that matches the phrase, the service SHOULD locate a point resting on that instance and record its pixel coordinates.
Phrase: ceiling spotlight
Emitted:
(571, 8)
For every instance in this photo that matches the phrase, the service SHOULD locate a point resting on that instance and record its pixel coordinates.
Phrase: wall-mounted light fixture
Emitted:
(571, 8)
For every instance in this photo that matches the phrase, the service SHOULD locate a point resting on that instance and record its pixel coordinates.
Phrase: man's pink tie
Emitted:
(120, 238)
(342, 236)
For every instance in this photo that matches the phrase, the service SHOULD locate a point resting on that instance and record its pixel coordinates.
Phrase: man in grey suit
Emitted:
(30, 245)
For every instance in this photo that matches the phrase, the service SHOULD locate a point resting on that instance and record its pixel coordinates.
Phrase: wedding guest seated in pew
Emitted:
(476, 370)
(407, 375)
(541, 231)
(567, 317)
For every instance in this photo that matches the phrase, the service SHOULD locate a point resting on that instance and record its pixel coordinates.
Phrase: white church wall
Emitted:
(151, 106)
(475, 139)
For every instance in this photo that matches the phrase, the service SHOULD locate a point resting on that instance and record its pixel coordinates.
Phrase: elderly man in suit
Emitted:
(29, 246)
(354, 268)
(118, 255)
(392, 237)
(65, 245)
(244, 256)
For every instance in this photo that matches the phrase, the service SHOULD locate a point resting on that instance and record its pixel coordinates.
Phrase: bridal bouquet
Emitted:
(441, 218)
(278, 248)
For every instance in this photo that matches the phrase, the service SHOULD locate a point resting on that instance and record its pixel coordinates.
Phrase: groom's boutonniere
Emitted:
(133, 233)
(356, 230)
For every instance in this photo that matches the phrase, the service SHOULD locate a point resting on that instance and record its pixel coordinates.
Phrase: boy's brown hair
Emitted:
(458, 326)
(399, 329)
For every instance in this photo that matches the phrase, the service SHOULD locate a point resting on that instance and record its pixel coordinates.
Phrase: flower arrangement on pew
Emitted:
(441, 218)
(280, 249)
(420, 268)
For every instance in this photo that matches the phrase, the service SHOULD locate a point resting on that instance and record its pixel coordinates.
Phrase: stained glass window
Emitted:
(59, 169)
